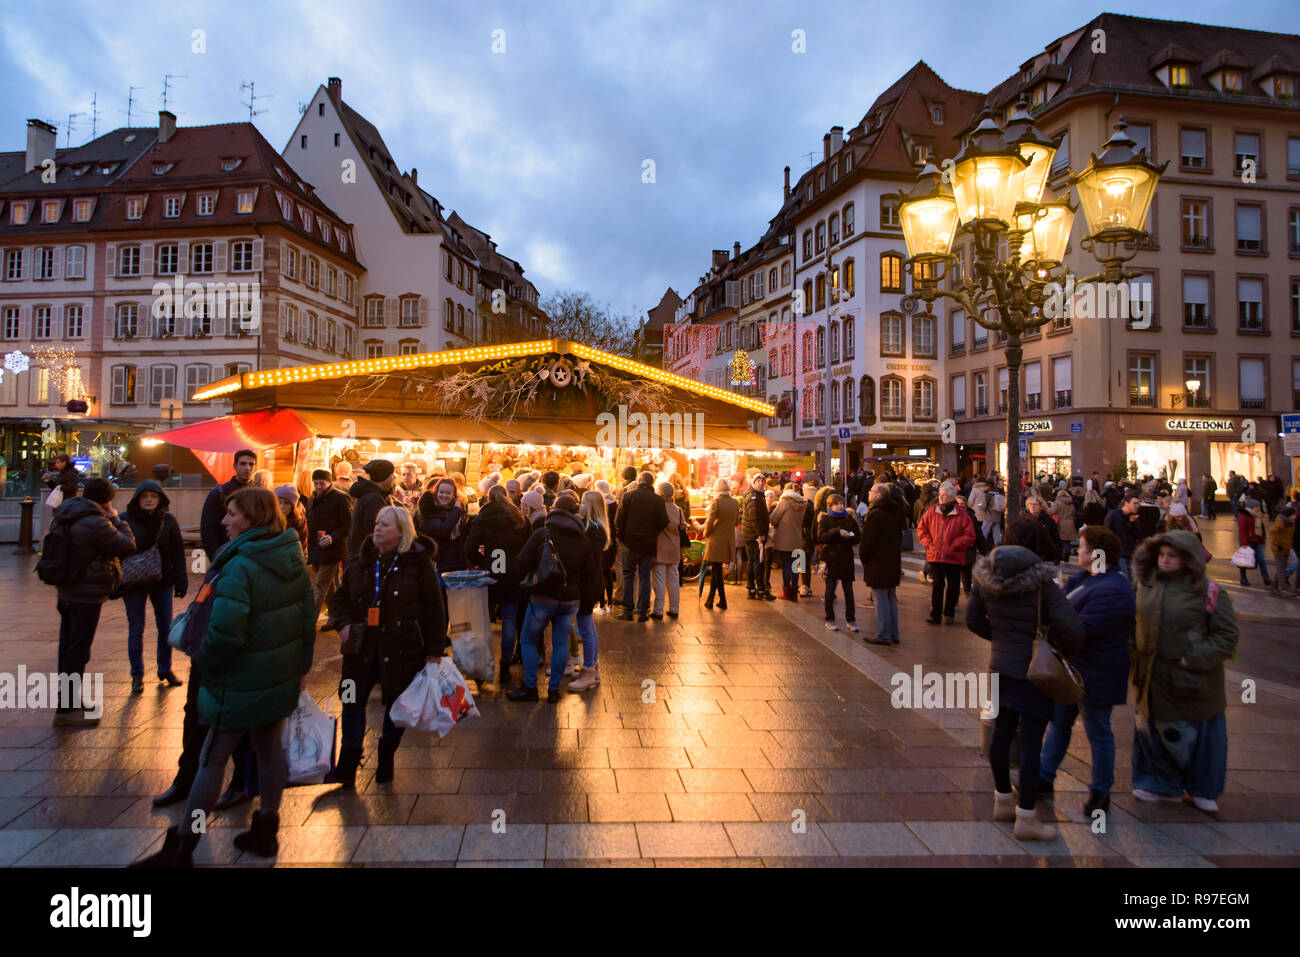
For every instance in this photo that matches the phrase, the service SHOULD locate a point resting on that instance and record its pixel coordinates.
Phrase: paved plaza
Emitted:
(769, 741)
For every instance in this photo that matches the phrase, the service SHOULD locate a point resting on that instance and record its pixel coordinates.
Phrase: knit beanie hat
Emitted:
(287, 493)
(321, 475)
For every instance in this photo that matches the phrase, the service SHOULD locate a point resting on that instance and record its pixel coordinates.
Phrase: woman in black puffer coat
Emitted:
(442, 518)
(395, 570)
(837, 536)
(494, 542)
(1014, 591)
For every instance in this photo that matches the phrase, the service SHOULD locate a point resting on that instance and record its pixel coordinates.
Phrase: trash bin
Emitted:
(469, 624)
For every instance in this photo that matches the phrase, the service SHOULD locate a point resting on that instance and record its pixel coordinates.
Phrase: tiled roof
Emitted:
(118, 148)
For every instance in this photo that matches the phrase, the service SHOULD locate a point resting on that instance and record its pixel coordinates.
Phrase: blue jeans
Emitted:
(509, 631)
(587, 632)
(1205, 773)
(560, 614)
(1096, 724)
(160, 596)
(638, 565)
(886, 602)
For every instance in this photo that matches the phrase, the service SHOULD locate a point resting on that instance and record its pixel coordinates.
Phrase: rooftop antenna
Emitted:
(809, 154)
(72, 122)
(167, 84)
(94, 115)
(252, 99)
(130, 102)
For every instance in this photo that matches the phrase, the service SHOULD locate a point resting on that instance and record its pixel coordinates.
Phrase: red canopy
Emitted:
(264, 429)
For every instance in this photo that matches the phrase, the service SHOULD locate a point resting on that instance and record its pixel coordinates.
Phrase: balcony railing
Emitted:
(982, 410)
(1252, 403)
(1143, 400)
(1196, 315)
(1249, 245)
(1033, 402)
(1063, 398)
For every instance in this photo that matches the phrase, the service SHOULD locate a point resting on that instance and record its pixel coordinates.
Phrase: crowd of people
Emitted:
(364, 552)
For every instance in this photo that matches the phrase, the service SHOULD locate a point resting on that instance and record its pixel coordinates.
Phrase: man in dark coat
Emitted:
(99, 538)
(755, 524)
(370, 494)
(329, 522)
(1209, 488)
(1123, 521)
(211, 533)
(1104, 601)
(641, 517)
(881, 552)
(1036, 531)
(63, 475)
(837, 534)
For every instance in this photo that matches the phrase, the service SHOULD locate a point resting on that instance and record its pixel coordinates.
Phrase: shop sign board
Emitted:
(1036, 425)
(1200, 425)
(781, 463)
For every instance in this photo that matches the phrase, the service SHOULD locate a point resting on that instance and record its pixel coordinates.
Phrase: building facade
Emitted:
(1186, 370)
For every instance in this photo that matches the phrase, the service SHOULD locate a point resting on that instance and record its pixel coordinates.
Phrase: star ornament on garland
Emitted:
(16, 361)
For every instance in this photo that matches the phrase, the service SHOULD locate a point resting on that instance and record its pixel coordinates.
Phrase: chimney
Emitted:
(40, 143)
(826, 147)
(787, 183)
(719, 258)
(837, 138)
(166, 125)
(415, 176)
(735, 251)
(335, 89)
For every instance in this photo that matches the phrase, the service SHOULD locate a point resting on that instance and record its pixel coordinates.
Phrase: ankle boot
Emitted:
(384, 773)
(1004, 806)
(345, 769)
(1030, 828)
(177, 851)
(260, 838)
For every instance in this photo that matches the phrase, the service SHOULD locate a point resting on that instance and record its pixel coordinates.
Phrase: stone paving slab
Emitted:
(769, 742)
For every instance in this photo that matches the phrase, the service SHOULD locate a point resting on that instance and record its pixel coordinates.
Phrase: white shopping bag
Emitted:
(308, 742)
(469, 625)
(435, 701)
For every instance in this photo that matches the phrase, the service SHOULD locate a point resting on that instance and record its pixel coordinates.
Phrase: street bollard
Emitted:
(25, 528)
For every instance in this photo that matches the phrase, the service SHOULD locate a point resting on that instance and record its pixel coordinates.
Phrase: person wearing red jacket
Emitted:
(946, 532)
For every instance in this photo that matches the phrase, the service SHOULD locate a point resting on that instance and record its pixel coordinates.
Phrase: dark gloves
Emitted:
(179, 591)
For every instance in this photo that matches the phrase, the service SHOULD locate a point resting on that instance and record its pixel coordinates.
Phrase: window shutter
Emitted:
(183, 258)
(218, 325)
(146, 259)
(284, 258)
(257, 255)
(390, 312)
(424, 311)
(110, 262)
(58, 262)
(219, 255)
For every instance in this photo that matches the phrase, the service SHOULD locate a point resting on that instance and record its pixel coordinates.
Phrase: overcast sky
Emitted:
(543, 145)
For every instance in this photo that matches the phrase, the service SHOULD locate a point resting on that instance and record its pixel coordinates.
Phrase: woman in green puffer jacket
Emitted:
(1186, 630)
(253, 661)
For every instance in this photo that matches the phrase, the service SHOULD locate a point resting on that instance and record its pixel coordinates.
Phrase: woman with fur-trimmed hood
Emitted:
(1186, 629)
(1013, 592)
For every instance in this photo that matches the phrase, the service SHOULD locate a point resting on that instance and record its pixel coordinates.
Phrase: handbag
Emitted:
(188, 628)
(1049, 672)
(684, 538)
(1244, 557)
(142, 569)
(548, 565)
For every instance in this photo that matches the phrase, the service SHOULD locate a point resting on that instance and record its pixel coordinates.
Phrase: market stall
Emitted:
(545, 405)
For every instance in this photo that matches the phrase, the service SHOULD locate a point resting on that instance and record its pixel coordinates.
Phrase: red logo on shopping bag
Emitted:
(457, 704)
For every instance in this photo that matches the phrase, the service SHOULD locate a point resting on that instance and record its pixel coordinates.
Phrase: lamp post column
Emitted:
(1014, 354)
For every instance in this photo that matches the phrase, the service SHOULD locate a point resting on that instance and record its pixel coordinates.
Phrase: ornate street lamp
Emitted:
(998, 179)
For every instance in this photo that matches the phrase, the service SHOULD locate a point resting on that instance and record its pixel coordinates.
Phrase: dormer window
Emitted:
(106, 169)
(50, 211)
(1284, 87)
(244, 201)
(1179, 76)
(81, 210)
(230, 163)
(134, 208)
(286, 209)
(1232, 81)
(80, 169)
(18, 214)
(1039, 95)
(207, 203)
(171, 207)
(1056, 57)
(920, 153)
(160, 169)
(936, 115)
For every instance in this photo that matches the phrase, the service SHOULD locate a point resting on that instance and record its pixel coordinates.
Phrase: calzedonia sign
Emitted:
(1200, 425)
(1036, 425)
